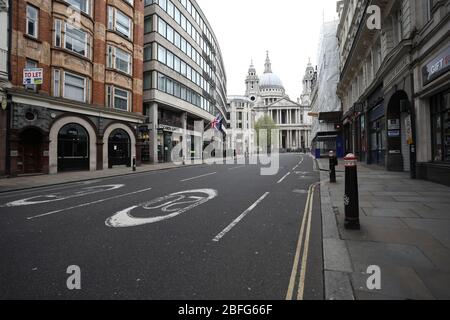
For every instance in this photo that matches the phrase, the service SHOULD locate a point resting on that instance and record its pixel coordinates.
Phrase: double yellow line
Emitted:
(303, 243)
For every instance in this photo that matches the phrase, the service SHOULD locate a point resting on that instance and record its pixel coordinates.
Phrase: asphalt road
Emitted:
(235, 235)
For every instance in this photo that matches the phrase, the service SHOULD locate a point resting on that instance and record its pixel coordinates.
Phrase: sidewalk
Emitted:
(34, 181)
(405, 230)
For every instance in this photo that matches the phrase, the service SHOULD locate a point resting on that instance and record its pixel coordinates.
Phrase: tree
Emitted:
(265, 123)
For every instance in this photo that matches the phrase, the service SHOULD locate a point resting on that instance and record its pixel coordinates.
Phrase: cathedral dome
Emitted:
(269, 81)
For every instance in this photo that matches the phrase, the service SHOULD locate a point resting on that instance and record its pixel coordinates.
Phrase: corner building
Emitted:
(184, 79)
(86, 112)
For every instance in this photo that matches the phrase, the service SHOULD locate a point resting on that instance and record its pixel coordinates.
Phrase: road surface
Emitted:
(203, 232)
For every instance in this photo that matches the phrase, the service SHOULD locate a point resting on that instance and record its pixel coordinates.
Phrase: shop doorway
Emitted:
(377, 135)
(73, 148)
(398, 157)
(30, 152)
(119, 149)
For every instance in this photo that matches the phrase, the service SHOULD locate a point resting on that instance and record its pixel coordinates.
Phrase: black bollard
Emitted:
(333, 164)
(351, 198)
(134, 164)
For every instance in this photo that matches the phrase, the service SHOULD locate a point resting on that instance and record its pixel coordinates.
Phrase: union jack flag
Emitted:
(217, 123)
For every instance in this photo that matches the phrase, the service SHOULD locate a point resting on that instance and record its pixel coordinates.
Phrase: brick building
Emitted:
(86, 112)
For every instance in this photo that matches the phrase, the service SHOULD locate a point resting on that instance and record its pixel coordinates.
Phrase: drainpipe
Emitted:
(9, 39)
(413, 147)
(8, 136)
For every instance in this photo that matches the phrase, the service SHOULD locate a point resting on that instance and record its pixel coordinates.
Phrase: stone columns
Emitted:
(153, 132)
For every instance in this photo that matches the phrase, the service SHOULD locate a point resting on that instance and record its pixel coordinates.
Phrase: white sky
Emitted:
(289, 29)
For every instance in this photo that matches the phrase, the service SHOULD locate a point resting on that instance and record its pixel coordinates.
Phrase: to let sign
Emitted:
(33, 76)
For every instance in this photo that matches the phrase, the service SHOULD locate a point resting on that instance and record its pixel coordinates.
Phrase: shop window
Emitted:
(440, 117)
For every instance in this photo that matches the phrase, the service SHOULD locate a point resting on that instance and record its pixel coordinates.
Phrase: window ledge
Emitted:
(119, 72)
(72, 53)
(27, 36)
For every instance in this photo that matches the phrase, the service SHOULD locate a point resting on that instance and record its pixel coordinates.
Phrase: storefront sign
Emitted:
(394, 124)
(33, 76)
(376, 113)
(437, 67)
(394, 133)
(164, 127)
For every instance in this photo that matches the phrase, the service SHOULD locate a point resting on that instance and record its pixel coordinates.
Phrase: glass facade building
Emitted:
(184, 79)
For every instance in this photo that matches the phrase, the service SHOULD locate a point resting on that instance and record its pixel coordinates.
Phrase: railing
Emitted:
(3, 62)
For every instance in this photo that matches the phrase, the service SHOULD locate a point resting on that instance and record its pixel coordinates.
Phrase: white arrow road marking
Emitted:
(60, 196)
(198, 177)
(238, 219)
(88, 204)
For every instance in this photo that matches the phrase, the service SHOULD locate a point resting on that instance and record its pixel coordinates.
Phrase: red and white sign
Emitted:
(33, 76)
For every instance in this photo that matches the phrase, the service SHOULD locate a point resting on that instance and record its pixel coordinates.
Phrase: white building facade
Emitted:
(325, 104)
(266, 95)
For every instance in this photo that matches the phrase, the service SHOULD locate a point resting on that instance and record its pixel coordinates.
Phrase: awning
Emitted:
(332, 117)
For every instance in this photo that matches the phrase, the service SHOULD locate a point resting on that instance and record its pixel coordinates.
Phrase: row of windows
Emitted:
(79, 42)
(196, 16)
(181, 20)
(75, 87)
(176, 89)
(175, 63)
(85, 5)
(117, 21)
(176, 39)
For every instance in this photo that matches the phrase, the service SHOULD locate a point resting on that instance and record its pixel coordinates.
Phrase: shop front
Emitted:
(168, 138)
(119, 149)
(377, 135)
(73, 148)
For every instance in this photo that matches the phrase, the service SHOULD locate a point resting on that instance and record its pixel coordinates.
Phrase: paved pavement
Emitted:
(405, 230)
(201, 232)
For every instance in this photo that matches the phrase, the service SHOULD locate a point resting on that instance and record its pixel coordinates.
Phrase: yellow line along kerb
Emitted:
(306, 226)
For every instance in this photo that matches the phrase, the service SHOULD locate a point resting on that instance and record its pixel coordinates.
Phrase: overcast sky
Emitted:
(289, 29)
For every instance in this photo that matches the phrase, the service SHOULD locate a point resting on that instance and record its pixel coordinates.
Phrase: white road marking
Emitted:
(88, 204)
(170, 206)
(60, 196)
(16, 193)
(238, 219)
(204, 175)
(237, 167)
(282, 179)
